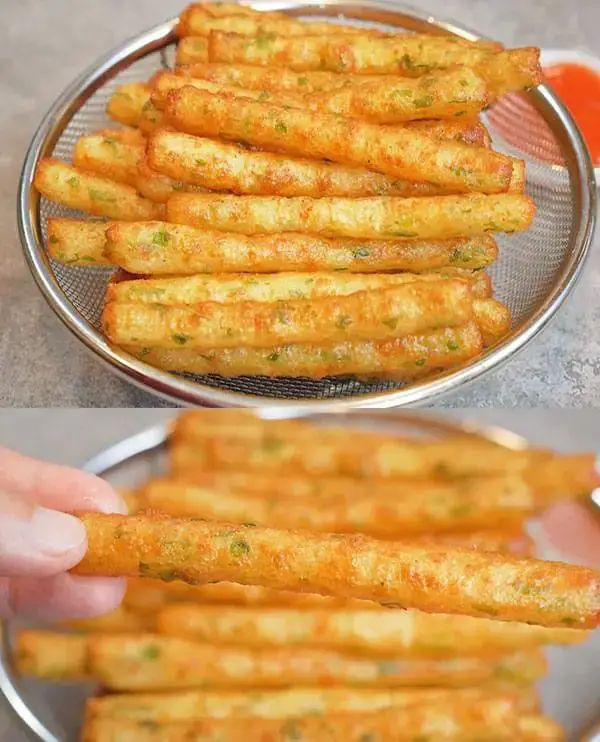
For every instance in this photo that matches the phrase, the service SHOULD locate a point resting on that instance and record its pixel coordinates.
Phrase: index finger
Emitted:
(56, 487)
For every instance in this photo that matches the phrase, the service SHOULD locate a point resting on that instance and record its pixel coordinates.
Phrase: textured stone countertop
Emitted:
(71, 436)
(46, 44)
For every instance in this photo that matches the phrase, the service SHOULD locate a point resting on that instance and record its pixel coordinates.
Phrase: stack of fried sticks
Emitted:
(324, 194)
(229, 661)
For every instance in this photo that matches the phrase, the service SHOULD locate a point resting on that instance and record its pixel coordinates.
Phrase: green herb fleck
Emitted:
(485, 608)
(343, 322)
(451, 345)
(144, 352)
(180, 339)
(73, 181)
(391, 322)
(280, 127)
(53, 239)
(111, 141)
(302, 80)
(387, 667)
(264, 95)
(403, 233)
(361, 252)
(239, 548)
(459, 511)
(420, 362)
(291, 731)
(96, 195)
(569, 621)
(424, 102)
(160, 238)
(460, 172)
(145, 570)
(274, 356)
(151, 652)
(264, 40)
(200, 163)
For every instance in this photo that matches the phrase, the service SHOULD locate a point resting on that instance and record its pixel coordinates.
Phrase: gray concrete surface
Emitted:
(570, 690)
(46, 44)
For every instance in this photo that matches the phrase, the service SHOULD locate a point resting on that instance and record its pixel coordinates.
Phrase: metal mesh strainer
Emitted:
(535, 271)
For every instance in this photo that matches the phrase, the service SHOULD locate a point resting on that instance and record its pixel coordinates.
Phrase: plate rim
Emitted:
(181, 390)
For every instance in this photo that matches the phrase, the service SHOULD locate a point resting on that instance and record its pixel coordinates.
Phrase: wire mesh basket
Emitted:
(533, 275)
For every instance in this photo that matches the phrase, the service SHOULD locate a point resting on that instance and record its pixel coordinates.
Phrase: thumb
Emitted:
(36, 541)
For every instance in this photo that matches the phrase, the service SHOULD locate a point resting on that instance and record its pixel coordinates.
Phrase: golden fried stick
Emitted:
(399, 152)
(438, 217)
(275, 449)
(373, 633)
(510, 70)
(164, 708)
(153, 662)
(77, 242)
(232, 288)
(460, 92)
(379, 314)
(51, 656)
(106, 155)
(126, 103)
(401, 359)
(494, 320)
(492, 719)
(192, 50)
(197, 22)
(180, 249)
(409, 55)
(220, 10)
(430, 578)
(230, 167)
(382, 100)
(158, 187)
(77, 189)
(539, 728)
(503, 501)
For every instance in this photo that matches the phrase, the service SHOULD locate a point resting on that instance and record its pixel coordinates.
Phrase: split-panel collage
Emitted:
(300, 371)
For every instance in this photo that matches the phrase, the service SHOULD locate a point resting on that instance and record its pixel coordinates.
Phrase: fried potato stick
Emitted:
(178, 706)
(157, 248)
(109, 157)
(369, 218)
(76, 189)
(493, 719)
(398, 152)
(504, 501)
(192, 50)
(151, 118)
(232, 288)
(411, 55)
(50, 655)
(539, 728)
(379, 314)
(394, 100)
(158, 187)
(154, 662)
(397, 633)
(220, 10)
(511, 70)
(77, 242)
(494, 320)
(401, 359)
(126, 103)
(223, 166)
(197, 22)
(430, 578)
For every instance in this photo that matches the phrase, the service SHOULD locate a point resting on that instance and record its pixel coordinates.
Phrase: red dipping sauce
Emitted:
(579, 88)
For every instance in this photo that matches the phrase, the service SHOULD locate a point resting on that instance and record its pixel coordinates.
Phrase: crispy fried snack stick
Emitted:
(373, 633)
(192, 50)
(401, 359)
(273, 287)
(77, 242)
(179, 249)
(399, 152)
(108, 156)
(439, 217)
(380, 314)
(432, 579)
(223, 166)
(164, 708)
(411, 55)
(126, 103)
(493, 719)
(501, 502)
(77, 189)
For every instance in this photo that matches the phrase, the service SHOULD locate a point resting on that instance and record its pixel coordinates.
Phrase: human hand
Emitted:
(39, 541)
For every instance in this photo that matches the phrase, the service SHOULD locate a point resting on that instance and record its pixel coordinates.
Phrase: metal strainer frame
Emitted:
(149, 444)
(185, 390)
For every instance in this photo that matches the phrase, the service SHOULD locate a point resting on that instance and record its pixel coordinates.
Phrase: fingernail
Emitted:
(54, 533)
